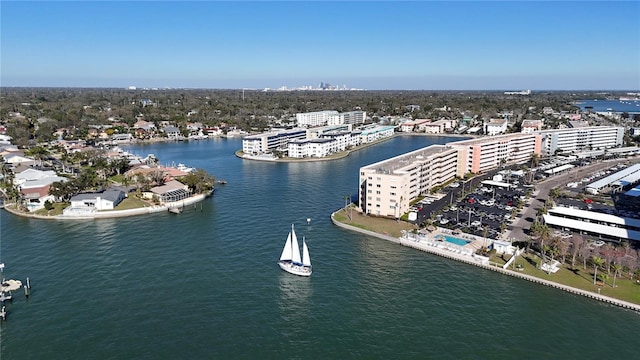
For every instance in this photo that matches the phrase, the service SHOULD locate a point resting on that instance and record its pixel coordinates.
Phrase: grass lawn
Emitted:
(625, 289)
(372, 223)
(131, 202)
(56, 210)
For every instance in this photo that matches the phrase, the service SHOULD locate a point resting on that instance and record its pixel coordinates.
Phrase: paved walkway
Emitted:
(526, 218)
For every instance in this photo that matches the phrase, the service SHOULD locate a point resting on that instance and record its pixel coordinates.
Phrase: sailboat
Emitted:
(290, 259)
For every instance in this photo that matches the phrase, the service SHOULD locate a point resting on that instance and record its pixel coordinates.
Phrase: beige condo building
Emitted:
(388, 187)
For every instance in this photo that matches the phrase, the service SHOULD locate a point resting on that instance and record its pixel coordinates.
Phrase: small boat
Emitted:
(222, 182)
(290, 259)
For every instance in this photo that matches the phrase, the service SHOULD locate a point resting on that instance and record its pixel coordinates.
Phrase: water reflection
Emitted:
(295, 297)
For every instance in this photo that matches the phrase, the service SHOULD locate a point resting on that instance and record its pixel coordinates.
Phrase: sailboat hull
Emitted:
(290, 267)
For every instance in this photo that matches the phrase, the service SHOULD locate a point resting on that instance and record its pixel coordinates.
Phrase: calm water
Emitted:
(205, 284)
(632, 107)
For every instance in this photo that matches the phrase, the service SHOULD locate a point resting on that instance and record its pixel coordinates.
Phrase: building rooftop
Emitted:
(401, 161)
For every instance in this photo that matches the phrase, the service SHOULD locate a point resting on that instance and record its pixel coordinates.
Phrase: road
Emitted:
(517, 229)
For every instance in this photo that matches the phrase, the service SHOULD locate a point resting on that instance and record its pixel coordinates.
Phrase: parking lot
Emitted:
(475, 208)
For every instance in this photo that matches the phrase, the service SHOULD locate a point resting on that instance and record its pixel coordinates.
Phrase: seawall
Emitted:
(477, 262)
(114, 213)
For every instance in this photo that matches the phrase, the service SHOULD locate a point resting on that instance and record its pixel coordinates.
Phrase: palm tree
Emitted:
(597, 261)
(535, 158)
(555, 193)
(617, 268)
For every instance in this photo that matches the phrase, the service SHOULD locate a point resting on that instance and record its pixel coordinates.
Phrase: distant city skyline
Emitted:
(372, 45)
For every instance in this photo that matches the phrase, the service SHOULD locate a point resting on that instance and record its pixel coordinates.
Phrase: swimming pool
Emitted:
(453, 240)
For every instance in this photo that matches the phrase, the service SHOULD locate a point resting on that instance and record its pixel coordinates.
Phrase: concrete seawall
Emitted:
(114, 213)
(472, 261)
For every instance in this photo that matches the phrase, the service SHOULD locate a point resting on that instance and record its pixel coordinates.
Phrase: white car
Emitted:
(476, 223)
(454, 185)
(444, 221)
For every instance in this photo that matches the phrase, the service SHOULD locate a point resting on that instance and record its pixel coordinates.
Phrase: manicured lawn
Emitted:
(56, 210)
(625, 289)
(131, 202)
(375, 224)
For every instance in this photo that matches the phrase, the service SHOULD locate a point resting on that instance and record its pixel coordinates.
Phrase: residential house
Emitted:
(171, 191)
(172, 132)
(106, 200)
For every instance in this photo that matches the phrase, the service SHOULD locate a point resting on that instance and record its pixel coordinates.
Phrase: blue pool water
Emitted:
(454, 240)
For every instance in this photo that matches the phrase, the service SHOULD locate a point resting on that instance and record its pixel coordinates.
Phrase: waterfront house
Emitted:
(172, 132)
(172, 191)
(106, 200)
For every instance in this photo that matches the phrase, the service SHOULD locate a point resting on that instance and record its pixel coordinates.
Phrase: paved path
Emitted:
(524, 221)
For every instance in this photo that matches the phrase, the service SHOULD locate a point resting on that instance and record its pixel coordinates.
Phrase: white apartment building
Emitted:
(496, 126)
(351, 117)
(311, 148)
(343, 139)
(317, 118)
(581, 138)
(376, 133)
(483, 154)
(267, 142)
(388, 187)
(529, 126)
(317, 132)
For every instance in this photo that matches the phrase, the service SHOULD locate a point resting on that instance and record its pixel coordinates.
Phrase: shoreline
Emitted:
(112, 214)
(479, 263)
(341, 154)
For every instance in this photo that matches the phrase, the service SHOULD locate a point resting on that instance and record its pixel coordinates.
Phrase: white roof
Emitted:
(591, 227)
(560, 168)
(496, 183)
(614, 177)
(595, 216)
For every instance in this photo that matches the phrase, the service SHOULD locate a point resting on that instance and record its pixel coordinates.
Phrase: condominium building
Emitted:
(311, 148)
(317, 118)
(387, 187)
(326, 144)
(581, 138)
(496, 126)
(277, 140)
(484, 154)
(375, 133)
(351, 117)
(529, 126)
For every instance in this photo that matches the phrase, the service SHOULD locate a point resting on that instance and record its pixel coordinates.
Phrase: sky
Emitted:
(372, 45)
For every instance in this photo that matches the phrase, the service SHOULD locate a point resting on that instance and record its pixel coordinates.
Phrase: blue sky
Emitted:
(430, 45)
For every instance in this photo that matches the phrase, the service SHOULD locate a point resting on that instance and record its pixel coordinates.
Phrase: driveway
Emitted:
(517, 229)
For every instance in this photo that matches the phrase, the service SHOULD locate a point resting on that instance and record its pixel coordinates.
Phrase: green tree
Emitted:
(199, 181)
(617, 268)
(597, 262)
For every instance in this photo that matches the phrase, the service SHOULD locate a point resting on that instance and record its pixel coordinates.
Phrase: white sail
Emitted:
(295, 248)
(286, 252)
(306, 260)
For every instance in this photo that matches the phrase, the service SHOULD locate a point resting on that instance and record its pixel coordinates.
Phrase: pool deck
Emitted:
(424, 241)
